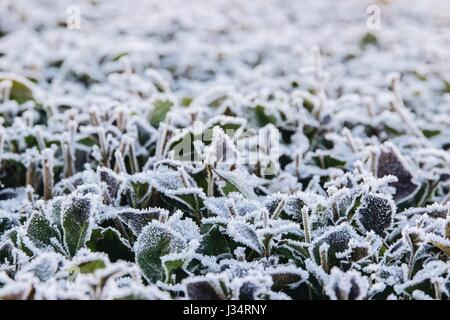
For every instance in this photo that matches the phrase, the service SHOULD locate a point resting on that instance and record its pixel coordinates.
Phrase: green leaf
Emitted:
(431, 133)
(91, 266)
(155, 241)
(109, 241)
(446, 88)
(12, 173)
(138, 219)
(230, 126)
(186, 101)
(213, 242)
(228, 187)
(40, 231)
(171, 265)
(87, 266)
(308, 105)
(87, 141)
(328, 161)
(118, 56)
(369, 38)
(160, 110)
(21, 90)
(263, 118)
(31, 141)
(6, 223)
(183, 147)
(233, 182)
(77, 223)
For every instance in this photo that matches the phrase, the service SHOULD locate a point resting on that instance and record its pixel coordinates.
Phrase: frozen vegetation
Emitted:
(224, 150)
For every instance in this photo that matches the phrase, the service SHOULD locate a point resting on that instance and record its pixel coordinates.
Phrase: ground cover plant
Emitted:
(224, 150)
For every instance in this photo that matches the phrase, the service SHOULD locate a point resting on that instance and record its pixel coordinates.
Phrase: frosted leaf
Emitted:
(134, 292)
(390, 162)
(22, 89)
(136, 219)
(350, 285)
(171, 183)
(53, 211)
(431, 270)
(297, 201)
(44, 266)
(110, 241)
(68, 185)
(337, 238)
(15, 291)
(177, 188)
(241, 181)
(245, 234)
(167, 180)
(41, 231)
(420, 295)
(376, 288)
(286, 277)
(413, 237)
(360, 249)
(446, 285)
(201, 290)
(218, 206)
(268, 224)
(160, 109)
(246, 207)
(376, 212)
(342, 202)
(294, 204)
(87, 189)
(155, 241)
(8, 194)
(439, 242)
(182, 146)
(232, 126)
(7, 221)
(187, 228)
(434, 211)
(248, 290)
(77, 221)
(112, 183)
(316, 271)
(86, 262)
(338, 132)
(254, 286)
(213, 242)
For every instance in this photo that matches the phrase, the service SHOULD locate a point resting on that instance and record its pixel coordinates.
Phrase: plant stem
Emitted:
(47, 156)
(306, 226)
(278, 209)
